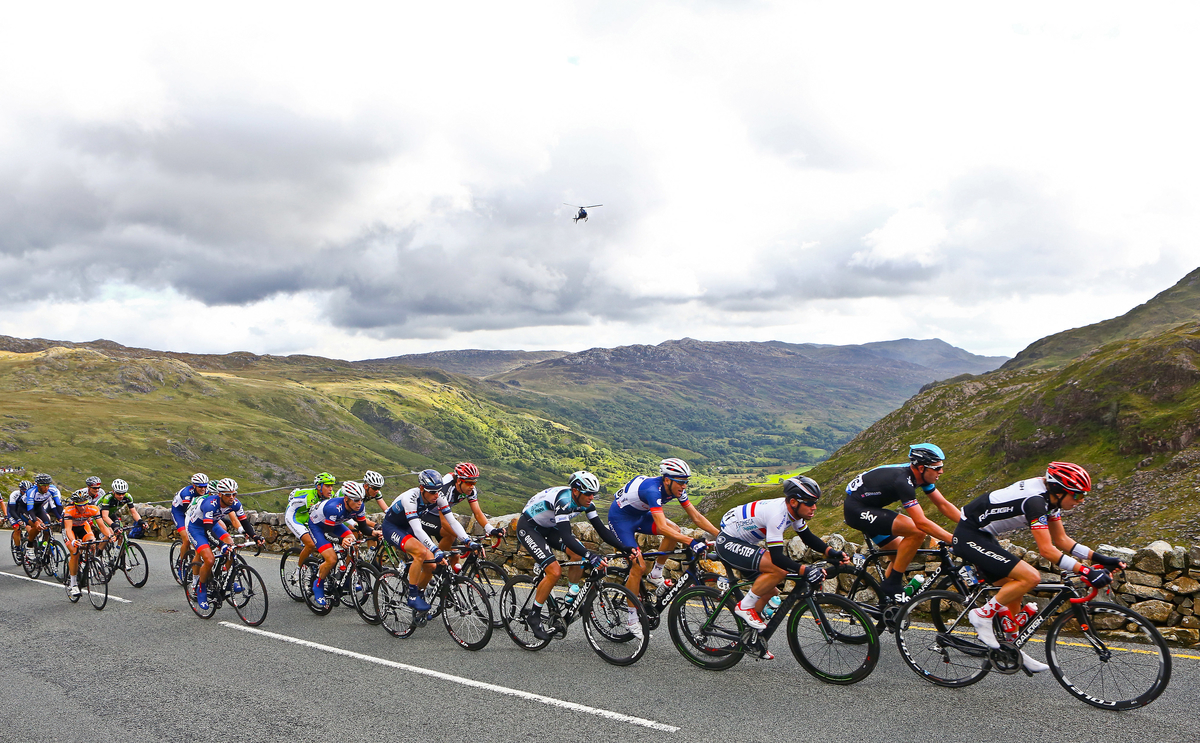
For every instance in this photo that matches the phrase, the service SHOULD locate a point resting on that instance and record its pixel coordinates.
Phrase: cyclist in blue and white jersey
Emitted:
(743, 527)
(405, 527)
(204, 516)
(14, 511)
(865, 509)
(545, 522)
(42, 507)
(197, 488)
(327, 520)
(637, 508)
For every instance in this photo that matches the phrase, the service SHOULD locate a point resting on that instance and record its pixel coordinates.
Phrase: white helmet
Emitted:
(676, 469)
(199, 479)
(120, 487)
(353, 489)
(374, 479)
(586, 482)
(227, 485)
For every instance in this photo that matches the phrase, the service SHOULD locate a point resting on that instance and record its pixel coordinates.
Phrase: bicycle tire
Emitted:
(97, 584)
(467, 614)
(395, 614)
(191, 598)
(174, 565)
(837, 644)
(307, 574)
(515, 601)
(946, 659)
(363, 592)
(17, 548)
(1083, 670)
(31, 565)
(433, 594)
(134, 565)
(605, 624)
(687, 618)
(491, 578)
(58, 566)
(252, 602)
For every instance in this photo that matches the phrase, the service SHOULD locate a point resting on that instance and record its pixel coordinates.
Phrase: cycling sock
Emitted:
(749, 602)
(74, 580)
(656, 571)
(537, 605)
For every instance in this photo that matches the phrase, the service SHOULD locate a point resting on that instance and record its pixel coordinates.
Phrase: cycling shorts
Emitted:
(983, 550)
(395, 534)
(323, 535)
(874, 523)
(627, 524)
(297, 529)
(538, 541)
(741, 554)
(81, 532)
(197, 535)
(179, 514)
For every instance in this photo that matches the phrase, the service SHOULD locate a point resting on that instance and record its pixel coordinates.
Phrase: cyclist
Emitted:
(78, 517)
(111, 504)
(373, 484)
(205, 515)
(327, 519)
(545, 522)
(1037, 503)
(42, 507)
(743, 527)
(15, 511)
(300, 502)
(637, 508)
(197, 488)
(865, 509)
(459, 485)
(404, 526)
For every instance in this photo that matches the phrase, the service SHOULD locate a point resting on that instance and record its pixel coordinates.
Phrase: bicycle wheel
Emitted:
(362, 591)
(250, 602)
(951, 657)
(491, 578)
(709, 644)
(57, 566)
(433, 594)
(82, 579)
(173, 562)
(191, 597)
(864, 589)
(133, 562)
(606, 626)
(289, 574)
(32, 565)
(97, 583)
(307, 574)
(833, 639)
(18, 549)
(516, 600)
(391, 591)
(1120, 673)
(467, 614)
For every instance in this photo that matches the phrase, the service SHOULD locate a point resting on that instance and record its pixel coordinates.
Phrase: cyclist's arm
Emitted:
(948, 509)
(1045, 544)
(107, 532)
(603, 531)
(414, 523)
(699, 520)
(479, 517)
(454, 525)
(917, 514)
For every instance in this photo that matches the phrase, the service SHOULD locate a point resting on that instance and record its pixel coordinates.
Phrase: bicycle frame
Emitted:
(750, 637)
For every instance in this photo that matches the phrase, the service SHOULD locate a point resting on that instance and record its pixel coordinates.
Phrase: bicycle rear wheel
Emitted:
(250, 602)
(31, 565)
(394, 613)
(712, 645)
(950, 657)
(289, 574)
(135, 565)
(97, 583)
(606, 624)
(833, 639)
(491, 578)
(1118, 672)
(467, 614)
(57, 566)
(516, 601)
(176, 568)
(307, 574)
(362, 591)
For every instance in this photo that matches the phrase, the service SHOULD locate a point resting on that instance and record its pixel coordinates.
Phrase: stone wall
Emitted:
(1162, 581)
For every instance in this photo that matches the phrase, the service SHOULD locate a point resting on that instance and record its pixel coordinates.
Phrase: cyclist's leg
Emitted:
(878, 525)
(999, 567)
(751, 559)
(626, 529)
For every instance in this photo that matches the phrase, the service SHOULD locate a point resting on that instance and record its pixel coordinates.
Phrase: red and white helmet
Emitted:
(1070, 477)
(466, 471)
(227, 485)
(674, 468)
(354, 490)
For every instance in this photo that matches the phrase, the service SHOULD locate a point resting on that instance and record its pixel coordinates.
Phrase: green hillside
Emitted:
(1179, 304)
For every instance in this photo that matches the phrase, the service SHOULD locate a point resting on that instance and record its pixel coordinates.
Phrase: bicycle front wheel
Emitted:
(615, 624)
(31, 565)
(137, 569)
(491, 578)
(516, 601)
(705, 630)
(391, 606)
(833, 639)
(1114, 672)
(467, 614)
(174, 560)
(97, 583)
(362, 591)
(57, 565)
(249, 597)
(307, 574)
(937, 641)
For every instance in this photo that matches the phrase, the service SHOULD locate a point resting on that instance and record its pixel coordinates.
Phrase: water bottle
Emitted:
(771, 606)
(666, 586)
(914, 585)
(572, 593)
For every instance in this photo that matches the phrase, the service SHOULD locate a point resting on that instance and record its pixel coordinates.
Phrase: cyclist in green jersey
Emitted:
(299, 502)
(113, 501)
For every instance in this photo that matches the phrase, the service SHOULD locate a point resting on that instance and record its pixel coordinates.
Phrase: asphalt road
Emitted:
(150, 670)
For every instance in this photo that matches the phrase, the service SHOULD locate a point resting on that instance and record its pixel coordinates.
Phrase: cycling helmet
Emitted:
(354, 490)
(120, 487)
(804, 488)
(429, 479)
(676, 469)
(93, 480)
(925, 454)
(585, 482)
(1070, 477)
(80, 498)
(24, 485)
(227, 485)
(324, 478)
(42, 478)
(466, 471)
(199, 479)
(374, 479)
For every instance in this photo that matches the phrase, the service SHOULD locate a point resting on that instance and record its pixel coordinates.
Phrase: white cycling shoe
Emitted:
(750, 616)
(1035, 666)
(983, 628)
(657, 582)
(633, 627)
(73, 590)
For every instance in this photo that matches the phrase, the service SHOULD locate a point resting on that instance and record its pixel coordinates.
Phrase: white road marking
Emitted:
(563, 704)
(60, 586)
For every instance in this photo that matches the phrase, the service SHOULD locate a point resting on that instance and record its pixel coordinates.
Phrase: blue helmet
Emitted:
(429, 479)
(925, 454)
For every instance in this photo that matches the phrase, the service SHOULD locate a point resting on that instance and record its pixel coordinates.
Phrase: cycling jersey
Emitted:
(51, 497)
(403, 519)
(184, 497)
(94, 500)
(81, 518)
(114, 502)
(546, 522)
(1002, 511)
(449, 491)
(644, 494)
(336, 511)
(555, 505)
(206, 513)
(882, 486)
(761, 520)
(300, 502)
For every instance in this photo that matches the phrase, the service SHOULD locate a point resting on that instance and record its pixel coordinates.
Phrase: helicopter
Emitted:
(582, 210)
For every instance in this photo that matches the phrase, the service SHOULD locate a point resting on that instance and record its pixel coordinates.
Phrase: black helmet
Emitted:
(429, 479)
(42, 479)
(804, 488)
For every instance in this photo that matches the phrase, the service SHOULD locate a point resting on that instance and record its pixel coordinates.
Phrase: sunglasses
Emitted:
(93, 487)
(938, 468)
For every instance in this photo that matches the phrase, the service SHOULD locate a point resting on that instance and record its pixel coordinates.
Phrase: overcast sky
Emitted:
(365, 180)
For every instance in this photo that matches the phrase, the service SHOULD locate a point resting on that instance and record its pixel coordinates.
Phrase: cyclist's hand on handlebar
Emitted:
(697, 547)
(837, 557)
(1104, 561)
(814, 574)
(439, 556)
(497, 531)
(1096, 577)
(595, 560)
